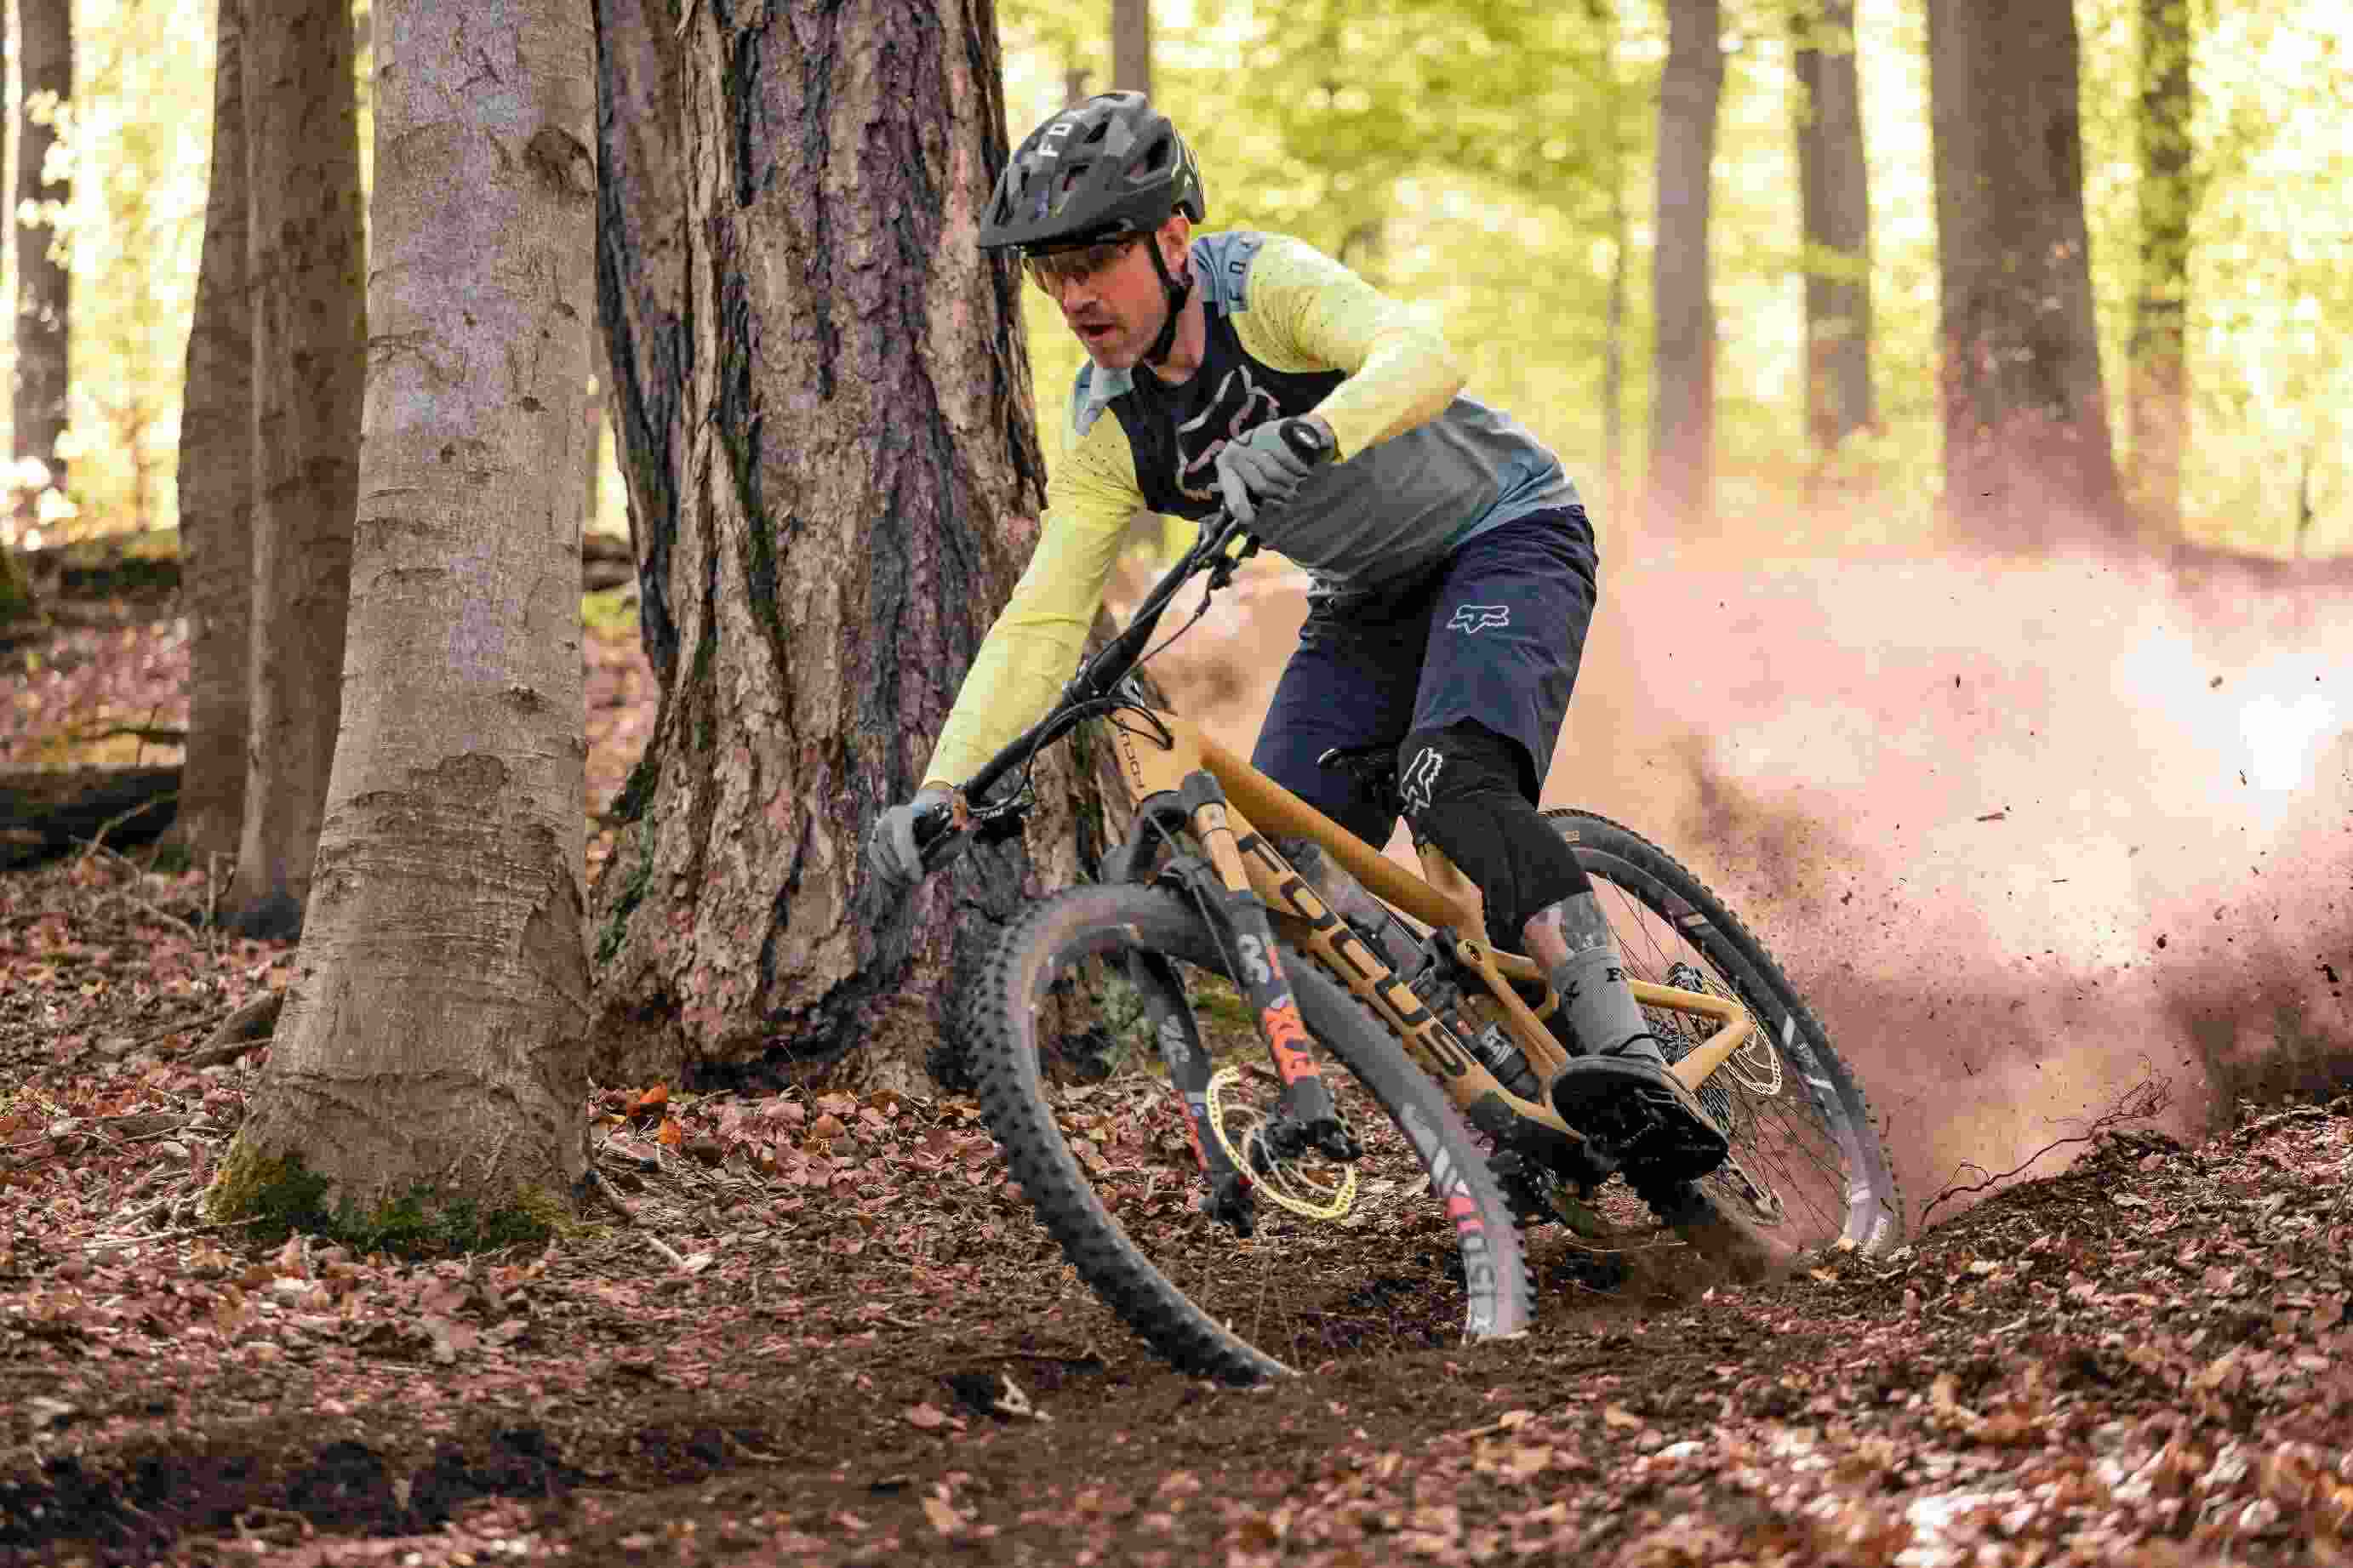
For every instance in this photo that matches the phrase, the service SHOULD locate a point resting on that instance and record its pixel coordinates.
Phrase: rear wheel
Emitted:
(1806, 1167)
(1411, 1244)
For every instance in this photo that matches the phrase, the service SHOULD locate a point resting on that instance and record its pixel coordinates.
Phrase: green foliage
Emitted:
(1473, 154)
(279, 1197)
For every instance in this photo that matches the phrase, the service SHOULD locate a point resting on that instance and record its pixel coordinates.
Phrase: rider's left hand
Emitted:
(1258, 470)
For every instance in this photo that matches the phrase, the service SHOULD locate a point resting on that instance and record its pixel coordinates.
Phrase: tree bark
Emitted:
(309, 322)
(432, 1034)
(1131, 45)
(44, 281)
(2160, 374)
(833, 482)
(1835, 196)
(2027, 457)
(1682, 380)
(216, 480)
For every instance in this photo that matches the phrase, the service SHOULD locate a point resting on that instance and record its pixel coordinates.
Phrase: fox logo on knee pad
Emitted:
(1479, 617)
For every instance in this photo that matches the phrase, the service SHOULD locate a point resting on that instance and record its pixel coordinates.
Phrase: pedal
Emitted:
(1287, 1138)
(1653, 1127)
(1229, 1202)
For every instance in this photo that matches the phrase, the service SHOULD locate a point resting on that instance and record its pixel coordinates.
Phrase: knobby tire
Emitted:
(1032, 965)
(1814, 1140)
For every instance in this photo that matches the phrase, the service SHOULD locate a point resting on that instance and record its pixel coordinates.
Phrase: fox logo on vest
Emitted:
(1479, 617)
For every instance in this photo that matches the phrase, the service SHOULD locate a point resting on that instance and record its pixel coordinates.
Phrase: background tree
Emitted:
(429, 1060)
(2027, 454)
(309, 321)
(1681, 474)
(2159, 369)
(216, 480)
(1131, 45)
(1834, 187)
(44, 278)
(833, 482)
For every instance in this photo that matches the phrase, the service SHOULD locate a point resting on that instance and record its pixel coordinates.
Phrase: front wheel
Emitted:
(1411, 1244)
(1807, 1168)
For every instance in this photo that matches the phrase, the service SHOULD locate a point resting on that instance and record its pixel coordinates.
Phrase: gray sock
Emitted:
(1598, 1005)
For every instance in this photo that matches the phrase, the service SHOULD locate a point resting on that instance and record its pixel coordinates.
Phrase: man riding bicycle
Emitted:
(1453, 564)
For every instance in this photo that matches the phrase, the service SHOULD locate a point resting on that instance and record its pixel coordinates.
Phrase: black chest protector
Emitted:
(1174, 431)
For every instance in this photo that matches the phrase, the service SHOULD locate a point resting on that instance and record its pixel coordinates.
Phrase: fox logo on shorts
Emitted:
(1479, 617)
(1421, 778)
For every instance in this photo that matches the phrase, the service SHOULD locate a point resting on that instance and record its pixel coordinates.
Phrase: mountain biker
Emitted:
(1454, 567)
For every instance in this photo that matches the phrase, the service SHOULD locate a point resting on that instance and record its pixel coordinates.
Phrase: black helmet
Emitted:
(1110, 166)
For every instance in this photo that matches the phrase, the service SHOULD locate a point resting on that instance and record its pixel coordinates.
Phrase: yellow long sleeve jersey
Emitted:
(1420, 467)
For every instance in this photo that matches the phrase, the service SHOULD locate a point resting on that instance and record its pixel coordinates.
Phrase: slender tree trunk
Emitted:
(1682, 378)
(1601, 16)
(2160, 374)
(431, 1043)
(309, 323)
(2027, 457)
(1835, 190)
(216, 480)
(833, 482)
(1131, 45)
(44, 281)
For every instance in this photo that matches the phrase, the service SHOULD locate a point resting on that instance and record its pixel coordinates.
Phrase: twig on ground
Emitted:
(2143, 1101)
(173, 1235)
(666, 1251)
(96, 842)
(247, 1029)
(142, 1042)
(604, 1189)
(124, 895)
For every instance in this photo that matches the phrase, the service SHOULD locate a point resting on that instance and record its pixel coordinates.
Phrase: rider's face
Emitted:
(1110, 295)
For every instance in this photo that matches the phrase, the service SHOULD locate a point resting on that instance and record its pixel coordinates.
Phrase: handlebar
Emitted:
(1213, 552)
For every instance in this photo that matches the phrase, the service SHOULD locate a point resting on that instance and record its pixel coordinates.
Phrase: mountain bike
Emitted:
(1151, 1053)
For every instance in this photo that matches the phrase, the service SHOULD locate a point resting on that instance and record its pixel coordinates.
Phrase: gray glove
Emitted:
(890, 851)
(1258, 470)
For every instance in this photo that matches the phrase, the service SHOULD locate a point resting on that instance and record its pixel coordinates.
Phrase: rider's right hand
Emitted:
(891, 852)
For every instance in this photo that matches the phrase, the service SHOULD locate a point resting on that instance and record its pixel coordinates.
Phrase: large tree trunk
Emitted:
(431, 1043)
(2027, 457)
(2160, 374)
(1682, 378)
(309, 326)
(833, 482)
(1131, 45)
(1835, 193)
(216, 480)
(44, 281)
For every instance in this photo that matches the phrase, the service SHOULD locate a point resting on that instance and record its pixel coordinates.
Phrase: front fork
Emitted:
(1307, 1116)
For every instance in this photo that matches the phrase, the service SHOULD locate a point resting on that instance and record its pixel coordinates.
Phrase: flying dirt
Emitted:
(2032, 835)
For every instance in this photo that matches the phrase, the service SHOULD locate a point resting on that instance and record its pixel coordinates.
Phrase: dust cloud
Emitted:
(2027, 833)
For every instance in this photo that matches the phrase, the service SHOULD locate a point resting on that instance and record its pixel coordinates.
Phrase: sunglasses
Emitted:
(1057, 268)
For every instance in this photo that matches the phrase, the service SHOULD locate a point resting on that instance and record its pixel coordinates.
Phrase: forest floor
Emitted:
(831, 1333)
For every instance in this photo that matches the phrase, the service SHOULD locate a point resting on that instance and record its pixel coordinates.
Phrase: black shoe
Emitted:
(1632, 1106)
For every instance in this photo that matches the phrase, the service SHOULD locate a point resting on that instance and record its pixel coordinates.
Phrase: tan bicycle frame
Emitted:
(1237, 845)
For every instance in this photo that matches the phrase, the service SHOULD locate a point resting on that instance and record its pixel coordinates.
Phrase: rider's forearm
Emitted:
(1410, 376)
(1309, 312)
(1020, 669)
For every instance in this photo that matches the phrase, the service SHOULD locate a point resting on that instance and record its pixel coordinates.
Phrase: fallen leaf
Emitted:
(1619, 1415)
(927, 1418)
(671, 1133)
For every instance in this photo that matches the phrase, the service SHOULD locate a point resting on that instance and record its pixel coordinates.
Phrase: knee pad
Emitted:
(1460, 787)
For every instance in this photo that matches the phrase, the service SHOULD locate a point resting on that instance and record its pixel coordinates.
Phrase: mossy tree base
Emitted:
(280, 1195)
